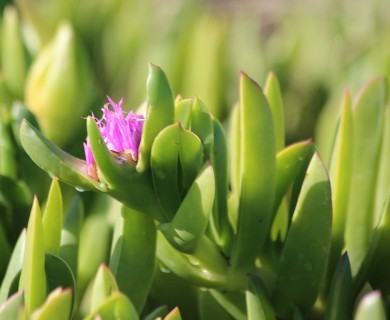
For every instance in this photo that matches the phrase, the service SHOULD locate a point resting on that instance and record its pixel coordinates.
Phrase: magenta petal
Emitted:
(121, 134)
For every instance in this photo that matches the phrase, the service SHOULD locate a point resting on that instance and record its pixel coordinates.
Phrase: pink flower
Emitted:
(121, 133)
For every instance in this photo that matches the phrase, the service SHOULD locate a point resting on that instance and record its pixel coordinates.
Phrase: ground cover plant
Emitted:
(177, 208)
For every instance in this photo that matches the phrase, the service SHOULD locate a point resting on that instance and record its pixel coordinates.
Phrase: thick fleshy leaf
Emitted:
(164, 164)
(202, 126)
(19, 113)
(7, 149)
(14, 267)
(257, 303)
(340, 297)
(104, 286)
(208, 269)
(57, 306)
(219, 161)
(133, 255)
(368, 119)
(190, 222)
(160, 112)
(10, 309)
(173, 315)
(288, 163)
(59, 274)
(33, 277)
(383, 182)
(183, 113)
(5, 249)
(157, 313)
(257, 175)
(234, 139)
(70, 236)
(55, 161)
(53, 218)
(16, 192)
(378, 272)
(191, 156)
(233, 302)
(371, 307)
(305, 254)
(93, 249)
(165, 289)
(174, 143)
(209, 308)
(340, 171)
(116, 306)
(274, 97)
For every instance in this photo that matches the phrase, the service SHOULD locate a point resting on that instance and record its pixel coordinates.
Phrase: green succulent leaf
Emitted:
(159, 312)
(14, 267)
(219, 161)
(191, 156)
(340, 171)
(183, 113)
(233, 302)
(202, 126)
(173, 315)
(209, 308)
(339, 305)
(160, 112)
(305, 254)
(57, 306)
(235, 148)
(134, 249)
(383, 182)
(371, 307)
(19, 113)
(378, 270)
(33, 276)
(208, 270)
(289, 161)
(11, 308)
(164, 164)
(93, 249)
(16, 192)
(368, 119)
(59, 274)
(274, 97)
(104, 286)
(53, 218)
(70, 235)
(257, 175)
(8, 165)
(55, 161)
(190, 221)
(257, 303)
(116, 306)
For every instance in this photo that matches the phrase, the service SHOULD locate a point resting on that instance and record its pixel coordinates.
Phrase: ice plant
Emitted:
(121, 134)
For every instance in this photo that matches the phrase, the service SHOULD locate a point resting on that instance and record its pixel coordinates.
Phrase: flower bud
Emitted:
(58, 86)
(13, 53)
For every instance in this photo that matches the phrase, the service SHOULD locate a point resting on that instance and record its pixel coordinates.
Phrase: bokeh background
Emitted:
(316, 48)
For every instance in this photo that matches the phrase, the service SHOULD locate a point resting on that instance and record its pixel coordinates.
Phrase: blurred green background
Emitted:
(313, 46)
